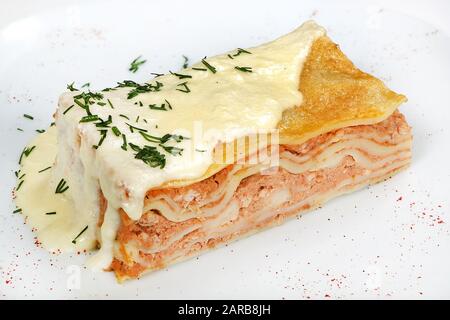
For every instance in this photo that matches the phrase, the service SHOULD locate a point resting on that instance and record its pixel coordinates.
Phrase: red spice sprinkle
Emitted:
(400, 198)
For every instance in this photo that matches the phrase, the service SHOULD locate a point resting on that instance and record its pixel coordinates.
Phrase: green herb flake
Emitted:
(110, 104)
(136, 63)
(186, 88)
(62, 186)
(89, 118)
(124, 144)
(207, 65)
(28, 116)
(71, 87)
(181, 76)
(45, 169)
(74, 241)
(186, 62)
(239, 51)
(19, 185)
(68, 109)
(244, 69)
(116, 131)
(149, 155)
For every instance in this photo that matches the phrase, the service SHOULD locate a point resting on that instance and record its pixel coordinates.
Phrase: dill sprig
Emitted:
(185, 86)
(74, 241)
(186, 62)
(45, 169)
(207, 65)
(239, 51)
(149, 155)
(68, 109)
(26, 152)
(181, 76)
(62, 186)
(71, 87)
(136, 63)
(244, 69)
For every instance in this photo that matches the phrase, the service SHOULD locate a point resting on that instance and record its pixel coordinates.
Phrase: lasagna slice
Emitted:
(345, 135)
(164, 170)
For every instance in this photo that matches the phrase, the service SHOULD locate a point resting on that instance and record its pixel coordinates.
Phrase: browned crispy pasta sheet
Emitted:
(336, 94)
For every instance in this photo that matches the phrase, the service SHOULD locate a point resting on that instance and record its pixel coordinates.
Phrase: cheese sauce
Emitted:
(217, 100)
(51, 215)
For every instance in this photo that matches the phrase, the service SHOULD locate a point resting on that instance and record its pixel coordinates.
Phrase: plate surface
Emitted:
(388, 241)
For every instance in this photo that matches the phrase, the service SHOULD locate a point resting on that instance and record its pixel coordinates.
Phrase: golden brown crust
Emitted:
(335, 94)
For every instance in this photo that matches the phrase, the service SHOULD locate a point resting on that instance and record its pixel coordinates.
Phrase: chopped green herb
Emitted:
(157, 74)
(244, 69)
(19, 185)
(40, 130)
(45, 169)
(61, 187)
(124, 145)
(156, 107)
(186, 62)
(181, 76)
(116, 131)
(172, 150)
(74, 241)
(146, 87)
(162, 139)
(230, 56)
(240, 50)
(137, 119)
(198, 150)
(124, 116)
(102, 138)
(17, 210)
(135, 128)
(23, 175)
(89, 118)
(71, 87)
(100, 103)
(136, 63)
(210, 67)
(27, 116)
(149, 155)
(186, 88)
(87, 84)
(104, 123)
(68, 109)
(168, 104)
(199, 69)
(110, 104)
(50, 213)
(26, 152)
(19, 129)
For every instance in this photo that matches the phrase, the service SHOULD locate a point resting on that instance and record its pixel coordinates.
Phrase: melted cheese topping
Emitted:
(220, 106)
(224, 106)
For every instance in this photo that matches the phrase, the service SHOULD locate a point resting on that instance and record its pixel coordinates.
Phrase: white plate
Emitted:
(381, 242)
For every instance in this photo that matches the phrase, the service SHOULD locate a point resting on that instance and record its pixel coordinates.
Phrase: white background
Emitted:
(381, 242)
